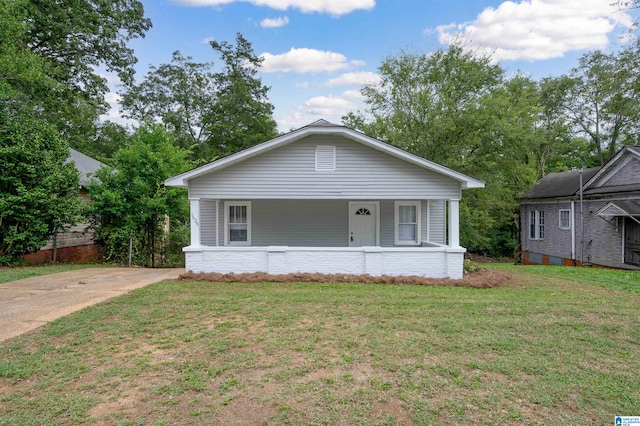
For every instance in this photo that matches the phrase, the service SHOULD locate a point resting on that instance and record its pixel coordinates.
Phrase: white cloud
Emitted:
(113, 114)
(353, 94)
(354, 79)
(304, 60)
(208, 40)
(333, 7)
(538, 29)
(330, 108)
(275, 22)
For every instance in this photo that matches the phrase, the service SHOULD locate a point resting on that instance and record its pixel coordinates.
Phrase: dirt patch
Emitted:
(481, 279)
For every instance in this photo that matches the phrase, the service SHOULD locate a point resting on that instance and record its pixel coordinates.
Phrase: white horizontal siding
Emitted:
(438, 222)
(289, 172)
(208, 228)
(323, 223)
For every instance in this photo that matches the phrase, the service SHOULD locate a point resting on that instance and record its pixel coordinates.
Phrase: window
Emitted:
(565, 219)
(325, 158)
(536, 224)
(238, 223)
(407, 223)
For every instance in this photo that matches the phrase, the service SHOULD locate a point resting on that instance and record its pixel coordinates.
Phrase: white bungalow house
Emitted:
(325, 199)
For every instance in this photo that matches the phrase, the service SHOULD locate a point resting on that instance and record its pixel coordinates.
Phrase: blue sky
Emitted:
(318, 53)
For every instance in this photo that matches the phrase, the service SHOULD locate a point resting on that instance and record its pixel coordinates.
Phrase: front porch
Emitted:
(375, 237)
(430, 260)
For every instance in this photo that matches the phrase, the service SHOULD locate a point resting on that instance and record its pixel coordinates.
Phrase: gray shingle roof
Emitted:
(86, 165)
(561, 184)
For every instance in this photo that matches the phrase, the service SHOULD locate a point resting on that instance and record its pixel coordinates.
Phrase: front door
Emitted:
(631, 242)
(363, 224)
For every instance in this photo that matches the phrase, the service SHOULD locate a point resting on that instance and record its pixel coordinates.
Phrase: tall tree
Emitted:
(179, 95)
(428, 102)
(69, 39)
(242, 114)
(131, 200)
(456, 108)
(211, 113)
(38, 188)
(603, 99)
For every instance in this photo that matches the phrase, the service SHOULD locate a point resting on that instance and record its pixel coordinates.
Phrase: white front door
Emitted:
(363, 224)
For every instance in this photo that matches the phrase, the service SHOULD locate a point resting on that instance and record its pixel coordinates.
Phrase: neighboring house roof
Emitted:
(327, 128)
(594, 179)
(86, 165)
(562, 184)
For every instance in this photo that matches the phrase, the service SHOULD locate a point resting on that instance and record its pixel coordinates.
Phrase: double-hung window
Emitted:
(238, 223)
(565, 219)
(407, 223)
(536, 224)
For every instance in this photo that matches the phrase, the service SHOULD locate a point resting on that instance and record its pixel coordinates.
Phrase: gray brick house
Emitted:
(554, 214)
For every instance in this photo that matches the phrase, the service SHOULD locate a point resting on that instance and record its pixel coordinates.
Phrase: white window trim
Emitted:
(228, 204)
(534, 219)
(560, 218)
(396, 218)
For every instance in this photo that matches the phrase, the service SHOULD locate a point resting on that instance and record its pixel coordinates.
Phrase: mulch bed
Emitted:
(480, 279)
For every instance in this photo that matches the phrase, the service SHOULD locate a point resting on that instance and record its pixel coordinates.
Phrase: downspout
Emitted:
(573, 232)
(581, 222)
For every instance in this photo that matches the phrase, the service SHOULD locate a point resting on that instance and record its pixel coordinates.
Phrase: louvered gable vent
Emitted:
(325, 157)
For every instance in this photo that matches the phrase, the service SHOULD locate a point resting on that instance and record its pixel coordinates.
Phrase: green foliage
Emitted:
(38, 189)
(603, 100)
(49, 52)
(469, 267)
(131, 199)
(211, 113)
(241, 115)
(456, 108)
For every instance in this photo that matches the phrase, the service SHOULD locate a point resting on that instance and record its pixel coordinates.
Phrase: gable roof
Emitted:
(86, 165)
(322, 127)
(562, 184)
(566, 184)
(611, 165)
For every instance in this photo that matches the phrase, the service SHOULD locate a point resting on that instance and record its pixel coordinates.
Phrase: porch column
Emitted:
(195, 221)
(454, 223)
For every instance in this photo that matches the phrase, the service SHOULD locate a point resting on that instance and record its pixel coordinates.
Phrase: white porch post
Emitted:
(195, 221)
(454, 223)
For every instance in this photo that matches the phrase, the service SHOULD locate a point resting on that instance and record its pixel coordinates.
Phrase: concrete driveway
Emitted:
(31, 302)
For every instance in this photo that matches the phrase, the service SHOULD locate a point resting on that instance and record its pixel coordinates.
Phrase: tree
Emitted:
(131, 200)
(179, 95)
(426, 103)
(456, 108)
(211, 113)
(241, 115)
(38, 188)
(108, 139)
(603, 100)
(67, 40)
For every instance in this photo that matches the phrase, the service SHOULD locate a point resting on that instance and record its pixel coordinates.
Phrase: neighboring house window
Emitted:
(238, 223)
(325, 158)
(536, 224)
(565, 219)
(407, 223)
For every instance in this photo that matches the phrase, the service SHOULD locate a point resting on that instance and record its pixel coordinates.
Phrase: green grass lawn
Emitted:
(554, 347)
(13, 274)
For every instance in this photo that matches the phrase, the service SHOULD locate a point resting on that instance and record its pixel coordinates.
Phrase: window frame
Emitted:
(568, 214)
(396, 223)
(227, 227)
(536, 225)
